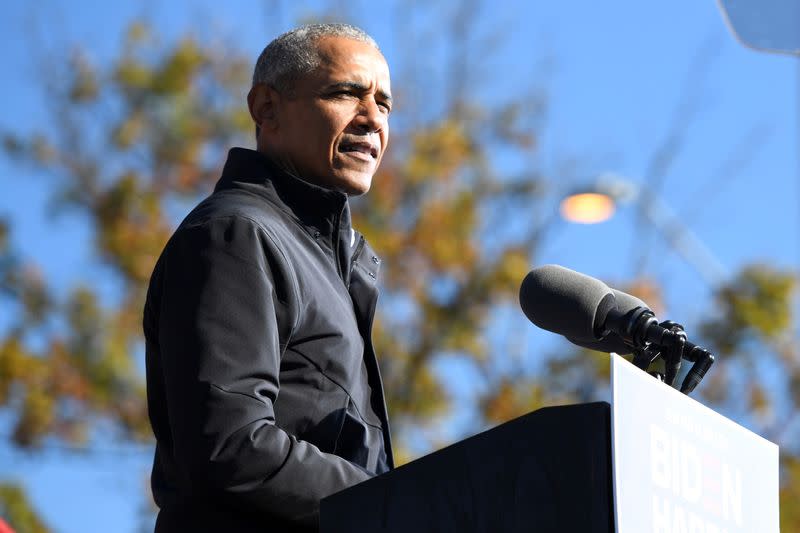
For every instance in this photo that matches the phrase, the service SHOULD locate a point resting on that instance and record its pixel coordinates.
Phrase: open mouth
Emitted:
(364, 148)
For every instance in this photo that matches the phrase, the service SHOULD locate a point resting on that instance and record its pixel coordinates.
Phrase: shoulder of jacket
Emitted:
(237, 203)
(242, 224)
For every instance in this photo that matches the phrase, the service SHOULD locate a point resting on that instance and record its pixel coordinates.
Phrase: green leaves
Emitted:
(85, 87)
(756, 304)
(438, 151)
(71, 356)
(512, 398)
(178, 70)
(16, 510)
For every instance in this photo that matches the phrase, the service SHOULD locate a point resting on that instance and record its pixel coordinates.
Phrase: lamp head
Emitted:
(597, 202)
(587, 207)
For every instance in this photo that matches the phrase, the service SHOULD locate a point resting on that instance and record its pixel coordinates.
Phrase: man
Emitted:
(263, 387)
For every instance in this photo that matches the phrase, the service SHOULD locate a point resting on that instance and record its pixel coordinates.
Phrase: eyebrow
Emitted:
(360, 87)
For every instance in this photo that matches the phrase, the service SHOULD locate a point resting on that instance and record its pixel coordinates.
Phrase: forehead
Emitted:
(351, 60)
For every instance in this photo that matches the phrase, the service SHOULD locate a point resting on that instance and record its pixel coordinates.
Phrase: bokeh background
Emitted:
(117, 116)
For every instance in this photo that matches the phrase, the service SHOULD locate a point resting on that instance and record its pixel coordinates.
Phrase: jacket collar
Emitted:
(317, 208)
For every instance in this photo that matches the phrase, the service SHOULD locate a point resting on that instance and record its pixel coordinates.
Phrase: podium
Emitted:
(651, 460)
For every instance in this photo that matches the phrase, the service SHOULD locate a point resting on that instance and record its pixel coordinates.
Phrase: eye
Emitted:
(386, 108)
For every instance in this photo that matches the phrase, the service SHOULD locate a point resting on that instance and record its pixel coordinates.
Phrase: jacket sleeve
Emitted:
(228, 304)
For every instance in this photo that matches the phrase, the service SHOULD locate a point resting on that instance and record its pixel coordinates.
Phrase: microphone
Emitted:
(583, 308)
(612, 342)
(566, 302)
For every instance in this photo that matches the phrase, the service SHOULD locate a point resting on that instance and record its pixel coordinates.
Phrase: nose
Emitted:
(370, 118)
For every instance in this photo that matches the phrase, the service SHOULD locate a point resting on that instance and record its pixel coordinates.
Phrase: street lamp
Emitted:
(597, 203)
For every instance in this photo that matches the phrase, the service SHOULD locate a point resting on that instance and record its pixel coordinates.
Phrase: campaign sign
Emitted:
(679, 467)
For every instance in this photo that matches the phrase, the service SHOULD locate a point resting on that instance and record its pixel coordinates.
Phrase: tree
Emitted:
(148, 132)
(754, 335)
(16, 509)
(128, 140)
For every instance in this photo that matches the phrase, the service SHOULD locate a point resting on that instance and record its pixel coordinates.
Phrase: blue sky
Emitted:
(619, 70)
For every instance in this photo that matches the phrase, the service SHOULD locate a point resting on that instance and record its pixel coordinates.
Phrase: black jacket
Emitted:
(263, 387)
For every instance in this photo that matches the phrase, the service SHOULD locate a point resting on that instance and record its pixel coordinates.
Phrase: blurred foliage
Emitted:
(753, 335)
(790, 493)
(128, 139)
(755, 305)
(134, 142)
(17, 512)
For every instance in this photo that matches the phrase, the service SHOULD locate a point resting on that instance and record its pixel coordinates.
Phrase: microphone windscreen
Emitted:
(565, 302)
(627, 302)
(612, 342)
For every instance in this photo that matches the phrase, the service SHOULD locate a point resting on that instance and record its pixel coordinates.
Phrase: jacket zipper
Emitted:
(336, 247)
(356, 253)
(337, 231)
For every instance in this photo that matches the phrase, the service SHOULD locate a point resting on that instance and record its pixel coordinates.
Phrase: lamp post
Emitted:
(597, 203)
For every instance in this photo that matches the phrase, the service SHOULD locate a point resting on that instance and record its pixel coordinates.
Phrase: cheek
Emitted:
(384, 138)
(314, 142)
(329, 127)
(313, 126)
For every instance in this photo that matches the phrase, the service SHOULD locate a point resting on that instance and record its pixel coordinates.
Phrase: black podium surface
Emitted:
(547, 471)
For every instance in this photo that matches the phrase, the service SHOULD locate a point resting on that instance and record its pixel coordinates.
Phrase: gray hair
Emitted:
(294, 54)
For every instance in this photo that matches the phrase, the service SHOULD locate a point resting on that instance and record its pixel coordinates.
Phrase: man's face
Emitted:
(333, 128)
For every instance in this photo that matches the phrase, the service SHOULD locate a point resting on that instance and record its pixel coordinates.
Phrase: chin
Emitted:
(353, 185)
(355, 191)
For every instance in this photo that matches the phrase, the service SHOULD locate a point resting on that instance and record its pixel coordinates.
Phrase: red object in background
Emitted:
(4, 527)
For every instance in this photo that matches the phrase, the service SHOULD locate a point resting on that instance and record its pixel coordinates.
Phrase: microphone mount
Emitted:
(650, 340)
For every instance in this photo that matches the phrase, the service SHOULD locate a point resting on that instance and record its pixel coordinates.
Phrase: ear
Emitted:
(262, 101)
